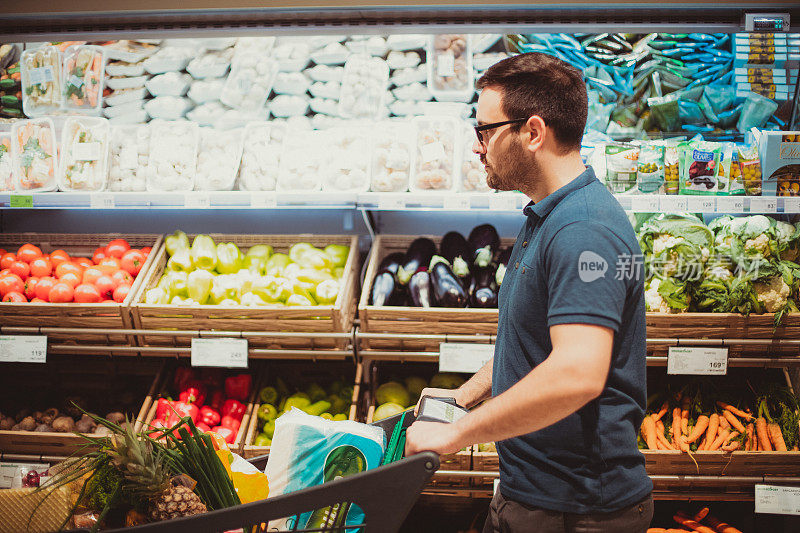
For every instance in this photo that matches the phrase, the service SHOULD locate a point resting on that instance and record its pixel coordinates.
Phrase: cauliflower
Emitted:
(773, 293)
(720, 272)
(758, 245)
(665, 241)
(655, 301)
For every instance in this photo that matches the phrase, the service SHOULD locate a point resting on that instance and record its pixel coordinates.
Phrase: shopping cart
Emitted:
(385, 494)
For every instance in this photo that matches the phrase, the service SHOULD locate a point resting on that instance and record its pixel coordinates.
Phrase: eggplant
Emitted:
(420, 290)
(483, 291)
(385, 289)
(447, 289)
(418, 255)
(484, 242)
(502, 264)
(391, 262)
(456, 250)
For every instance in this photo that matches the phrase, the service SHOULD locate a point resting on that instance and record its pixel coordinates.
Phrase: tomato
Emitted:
(98, 255)
(132, 262)
(146, 251)
(117, 248)
(7, 260)
(59, 256)
(41, 267)
(61, 293)
(38, 301)
(107, 270)
(68, 266)
(3, 252)
(111, 261)
(83, 262)
(4, 272)
(21, 269)
(121, 277)
(121, 292)
(87, 294)
(90, 275)
(30, 288)
(28, 252)
(43, 287)
(105, 285)
(72, 279)
(15, 297)
(11, 283)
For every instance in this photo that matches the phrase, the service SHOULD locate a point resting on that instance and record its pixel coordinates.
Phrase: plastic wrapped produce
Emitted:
(363, 87)
(40, 71)
(129, 52)
(413, 91)
(291, 83)
(84, 70)
(285, 105)
(332, 54)
(326, 106)
(262, 45)
(168, 107)
(173, 155)
(249, 82)
(435, 160)
(405, 108)
(6, 166)
(202, 91)
(291, 57)
(397, 60)
(84, 152)
(481, 62)
(207, 114)
(261, 156)
(169, 84)
(323, 122)
(34, 155)
(473, 173)
(126, 96)
(129, 150)
(214, 64)
(404, 76)
(365, 44)
(325, 73)
(123, 82)
(392, 154)
(136, 117)
(123, 69)
(169, 59)
(407, 42)
(331, 90)
(301, 160)
(235, 118)
(345, 166)
(218, 159)
(450, 74)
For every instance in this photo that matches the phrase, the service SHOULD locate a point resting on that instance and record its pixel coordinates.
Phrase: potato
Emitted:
(6, 423)
(64, 424)
(85, 425)
(28, 424)
(49, 416)
(115, 417)
(43, 428)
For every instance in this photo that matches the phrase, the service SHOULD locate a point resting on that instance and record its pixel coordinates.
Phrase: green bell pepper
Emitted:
(199, 284)
(266, 412)
(317, 408)
(229, 302)
(229, 258)
(276, 263)
(262, 440)
(260, 250)
(312, 276)
(268, 395)
(155, 296)
(338, 254)
(269, 429)
(176, 242)
(251, 299)
(327, 292)
(177, 284)
(180, 262)
(309, 256)
(257, 265)
(204, 252)
(274, 290)
(178, 300)
(326, 416)
(299, 300)
(339, 418)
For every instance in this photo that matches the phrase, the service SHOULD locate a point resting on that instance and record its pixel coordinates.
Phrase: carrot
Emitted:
(663, 441)
(684, 425)
(649, 432)
(734, 410)
(682, 446)
(702, 445)
(720, 526)
(701, 514)
(685, 404)
(776, 437)
(723, 422)
(720, 440)
(732, 435)
(661, 446)
(733, 446)
(711, 432)
(730, 417)
(692, 524)
(749, 441)
(656, 530)
(699, 429)
(662, 411)
(676, 424)
(763, 434)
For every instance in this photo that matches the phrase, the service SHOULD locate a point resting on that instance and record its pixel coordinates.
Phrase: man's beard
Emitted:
(512, 169)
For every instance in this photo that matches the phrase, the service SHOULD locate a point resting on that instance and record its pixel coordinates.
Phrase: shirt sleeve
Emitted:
(581, 267)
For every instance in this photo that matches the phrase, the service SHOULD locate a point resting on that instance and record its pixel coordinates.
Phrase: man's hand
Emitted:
(439, 393)
(432, 436)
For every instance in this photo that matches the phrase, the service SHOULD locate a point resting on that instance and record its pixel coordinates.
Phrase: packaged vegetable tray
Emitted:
(42, 92)
(392, 154)
(473, 173)
(301, 160)
(129, 150)
(437, 159)
(84, 72)
(346, 165)
(173, 155)
(261, 156)
(34, 155)
(450, 73)
(6, 163)
(364, 87)
(250, 81)
(84, 154)
(218, 160)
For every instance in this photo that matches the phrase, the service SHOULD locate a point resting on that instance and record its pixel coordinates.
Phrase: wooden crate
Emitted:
(484, 462)
(35, 512)
(109, 316)
(415, 320)
(92, 377)
(336, 318)
(163, 391)
(716, 463)
(296, 375)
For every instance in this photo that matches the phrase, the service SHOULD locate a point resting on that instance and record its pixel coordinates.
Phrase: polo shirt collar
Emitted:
(546, 204)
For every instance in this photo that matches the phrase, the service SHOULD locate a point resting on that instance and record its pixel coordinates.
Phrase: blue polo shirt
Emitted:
(575, 262)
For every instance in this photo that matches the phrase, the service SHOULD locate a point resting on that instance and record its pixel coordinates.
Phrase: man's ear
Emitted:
(534, 133)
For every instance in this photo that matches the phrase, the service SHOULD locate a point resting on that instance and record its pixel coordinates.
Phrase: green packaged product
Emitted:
(650, 169)
(699, 172)
(671, 168)
(621, 168)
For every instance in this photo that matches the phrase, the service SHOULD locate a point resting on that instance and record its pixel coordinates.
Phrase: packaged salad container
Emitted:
(6, 165)
(84, 152)
(436, 165)
(346, 163)
(393, 152)
(129, 150)
(301, 160)
(40, 71)
(249, 82)
(34, 155)
(172, 163)
(218, 159)
(261, 156)
(84, 71)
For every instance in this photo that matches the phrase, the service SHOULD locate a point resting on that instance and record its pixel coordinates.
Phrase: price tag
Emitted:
(391, 202)
(197, 200)
(464, 357)
(730, 204)
(102, 201)
(790, 205)
(87, 151)
(702, 204)
(502, 202)
(457, 202)
(764, 204)
(41, 75)
(673, 204)
(776, 499)
(75, 81)
(644, 204)
(228, 353)
(699, 361)
(446, 65)
(432, 152)
(263, 200)
(23, 349)
(20, 200)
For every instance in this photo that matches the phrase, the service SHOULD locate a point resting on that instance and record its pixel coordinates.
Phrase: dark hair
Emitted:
(543, 85)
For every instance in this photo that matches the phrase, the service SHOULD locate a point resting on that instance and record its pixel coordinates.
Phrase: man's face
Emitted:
(508, 164)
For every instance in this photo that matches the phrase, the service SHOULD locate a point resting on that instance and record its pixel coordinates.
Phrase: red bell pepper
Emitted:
(203, 428)
(215, 399)
(155, 429)
(238, 387)
(180, 410)
(183, 375)
(226, 433)
(211, 376)
(209, 416)
(230, 422)
(234, 409)
(193, 392)
(163, 409)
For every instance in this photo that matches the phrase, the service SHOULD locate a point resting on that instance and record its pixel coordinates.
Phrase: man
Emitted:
(567, 382)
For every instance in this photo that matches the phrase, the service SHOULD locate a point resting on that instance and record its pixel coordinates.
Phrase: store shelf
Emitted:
(447, 201)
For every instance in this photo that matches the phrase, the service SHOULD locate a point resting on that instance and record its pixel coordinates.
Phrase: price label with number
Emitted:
(764, 204)
(791, 205)
(730, 204)
(502, 202)
(101, 201)
(674, 204)
(223, 352)
(263, 200)
(458, 202)
(464, 357)
(389, 202)
(20, 200)
(23, 349)
(777, 499)
(697, 361)
(702, 204)
(644, 204)
(197, 200)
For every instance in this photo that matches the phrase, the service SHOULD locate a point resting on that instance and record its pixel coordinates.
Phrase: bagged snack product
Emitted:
(729, 176)
(699, 172)
(650, 169)
(621, 167)
(84, 152)
(750, 165)
(34, 155)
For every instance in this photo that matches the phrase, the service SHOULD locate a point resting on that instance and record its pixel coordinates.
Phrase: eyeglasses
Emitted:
(484, 127)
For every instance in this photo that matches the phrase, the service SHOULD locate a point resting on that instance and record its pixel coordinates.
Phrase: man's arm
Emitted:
(472, 392)
(574, 374)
